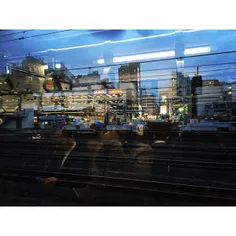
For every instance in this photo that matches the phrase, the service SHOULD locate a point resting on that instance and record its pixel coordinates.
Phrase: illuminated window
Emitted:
(58, 65)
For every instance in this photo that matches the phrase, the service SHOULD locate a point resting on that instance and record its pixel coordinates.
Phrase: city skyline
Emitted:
(91, 48)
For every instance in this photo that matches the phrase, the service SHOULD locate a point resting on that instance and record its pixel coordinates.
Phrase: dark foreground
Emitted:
(108, 171)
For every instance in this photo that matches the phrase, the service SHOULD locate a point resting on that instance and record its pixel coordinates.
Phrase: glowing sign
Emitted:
(115, 91)
(110, 91)
(100, 92)
(49, 85)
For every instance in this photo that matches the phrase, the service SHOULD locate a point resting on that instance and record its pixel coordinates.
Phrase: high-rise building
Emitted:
(129, 80)
(196, 85)
(28, 76)
(130, 95)
(180, 92)
(211, 82)
(211, 91)
(92, 78)
(89, 82)
(229, 91)
(148, 103)
(129, 73)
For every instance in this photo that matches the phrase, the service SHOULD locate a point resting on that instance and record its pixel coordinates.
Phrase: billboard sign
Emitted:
(115, 91)
(100, 91)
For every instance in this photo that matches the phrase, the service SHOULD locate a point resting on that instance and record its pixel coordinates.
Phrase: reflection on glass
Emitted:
(94, 113)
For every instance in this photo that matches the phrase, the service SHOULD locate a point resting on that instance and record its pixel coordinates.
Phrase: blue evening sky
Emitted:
(82, 48)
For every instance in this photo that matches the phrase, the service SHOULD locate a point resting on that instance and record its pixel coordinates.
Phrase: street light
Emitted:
(58, 65)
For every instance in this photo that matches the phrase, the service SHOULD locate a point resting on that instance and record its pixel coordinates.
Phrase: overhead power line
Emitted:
(189, 72)
(147, 77)
(34, 36)
(165, 68)
(20, 32)
(156, 60)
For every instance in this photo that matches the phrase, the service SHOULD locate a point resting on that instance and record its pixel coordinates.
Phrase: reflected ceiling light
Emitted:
(71, 48)
(106, 70)
(100, 61)
(194, 30)
(113, 42)
(153, 36)
(58, 65)
(197, 50)
(145, 56)
(180, 63)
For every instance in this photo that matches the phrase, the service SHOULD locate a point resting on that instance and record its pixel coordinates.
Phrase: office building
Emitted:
(229, 91)
(179, 93)
(196, 85)
(89, 82)
(148, 104)
(129, 81)
(26, 77)
(211, 91)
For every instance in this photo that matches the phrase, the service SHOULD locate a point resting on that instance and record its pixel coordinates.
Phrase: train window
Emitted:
(152, 110)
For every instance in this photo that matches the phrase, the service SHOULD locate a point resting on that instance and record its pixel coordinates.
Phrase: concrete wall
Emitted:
(28, 121)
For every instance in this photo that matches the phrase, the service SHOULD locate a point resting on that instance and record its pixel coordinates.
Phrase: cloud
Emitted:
(110, 34)
(75, 33)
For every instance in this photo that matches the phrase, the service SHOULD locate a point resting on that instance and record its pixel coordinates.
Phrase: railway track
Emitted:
(186, 188)
(163, 155)
(210, 170)
(167, 166)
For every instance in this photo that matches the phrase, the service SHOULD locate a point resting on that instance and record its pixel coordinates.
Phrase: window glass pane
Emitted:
(153, 110)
